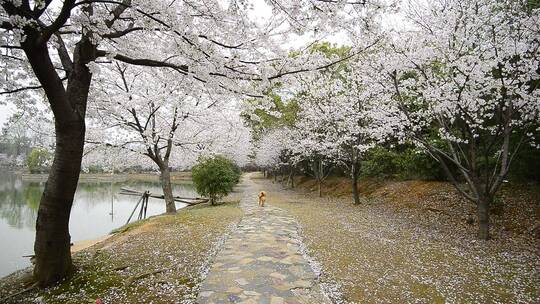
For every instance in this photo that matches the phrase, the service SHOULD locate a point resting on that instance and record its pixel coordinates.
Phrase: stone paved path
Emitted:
(261, 261)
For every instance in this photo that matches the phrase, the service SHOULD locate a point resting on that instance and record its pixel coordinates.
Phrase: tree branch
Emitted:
(17, 90)
(121, 33)
(64, 15)
(146, 62)
(63, 54)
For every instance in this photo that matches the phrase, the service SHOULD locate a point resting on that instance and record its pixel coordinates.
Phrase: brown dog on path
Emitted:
(262, 198)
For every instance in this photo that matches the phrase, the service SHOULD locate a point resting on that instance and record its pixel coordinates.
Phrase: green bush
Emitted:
(526, 166)
(415, 164)
(95, 169)
(379, 162)
(38, 160)
(215, 177)
(402, 162)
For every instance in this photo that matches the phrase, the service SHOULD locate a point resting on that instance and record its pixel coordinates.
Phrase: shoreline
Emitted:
(176, 177)
(84, 244)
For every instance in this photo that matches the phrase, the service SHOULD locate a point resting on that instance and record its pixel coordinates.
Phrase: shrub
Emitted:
(95, 169)
(379, 162)
(38, 160)
(215, 177)
(402, 162)
(415, 164)
(526, 165)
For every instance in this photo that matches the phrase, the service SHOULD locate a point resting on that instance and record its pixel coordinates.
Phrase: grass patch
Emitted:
(128, 227)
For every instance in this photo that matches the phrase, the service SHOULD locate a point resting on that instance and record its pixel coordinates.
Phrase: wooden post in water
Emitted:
(138, 202)
(146, 205)
(145, 196)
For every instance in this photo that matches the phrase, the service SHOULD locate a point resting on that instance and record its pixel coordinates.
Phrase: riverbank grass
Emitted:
(158, 260)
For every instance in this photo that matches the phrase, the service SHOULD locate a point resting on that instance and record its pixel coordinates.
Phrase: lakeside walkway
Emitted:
(261, 261)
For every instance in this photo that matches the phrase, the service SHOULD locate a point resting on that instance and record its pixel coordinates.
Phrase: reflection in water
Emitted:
(97, 209)
(19, 201)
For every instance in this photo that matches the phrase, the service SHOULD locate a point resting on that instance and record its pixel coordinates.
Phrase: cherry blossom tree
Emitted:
(162, 117)
(337, 118)
(470, 71)
(110, 159)
(142, 114)
(270, 148)
(334, 125)
(20, 131)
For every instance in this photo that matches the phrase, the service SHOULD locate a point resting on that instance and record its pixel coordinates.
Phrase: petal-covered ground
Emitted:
(403, 247)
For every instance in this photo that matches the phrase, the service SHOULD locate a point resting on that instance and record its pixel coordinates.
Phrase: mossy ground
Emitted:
(409, 242)
(160, 260)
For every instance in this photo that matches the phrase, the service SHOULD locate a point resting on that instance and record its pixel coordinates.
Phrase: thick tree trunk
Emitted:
(52, 244)
(354, 183)
(483, 218)
(165, 178)
(319, 186)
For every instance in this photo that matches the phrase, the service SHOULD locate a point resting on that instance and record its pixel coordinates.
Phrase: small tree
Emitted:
(215, 177)
(38, 160)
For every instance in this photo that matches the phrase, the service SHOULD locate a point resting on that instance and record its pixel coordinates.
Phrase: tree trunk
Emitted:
(292, 179)
(354, 183)
(320, 174)
(483, 218)
(52, 243)
(165, 178)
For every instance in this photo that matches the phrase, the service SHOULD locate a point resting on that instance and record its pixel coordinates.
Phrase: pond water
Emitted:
(97, 209)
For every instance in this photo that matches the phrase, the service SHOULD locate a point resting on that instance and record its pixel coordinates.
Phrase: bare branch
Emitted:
(146, 62)
(21, 89)
(64, 15)
(63, 54)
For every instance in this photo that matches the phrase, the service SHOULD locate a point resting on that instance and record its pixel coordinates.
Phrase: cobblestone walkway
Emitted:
(261, 262)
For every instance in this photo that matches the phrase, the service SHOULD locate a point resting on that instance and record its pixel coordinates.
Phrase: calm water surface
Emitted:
(98, 208)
